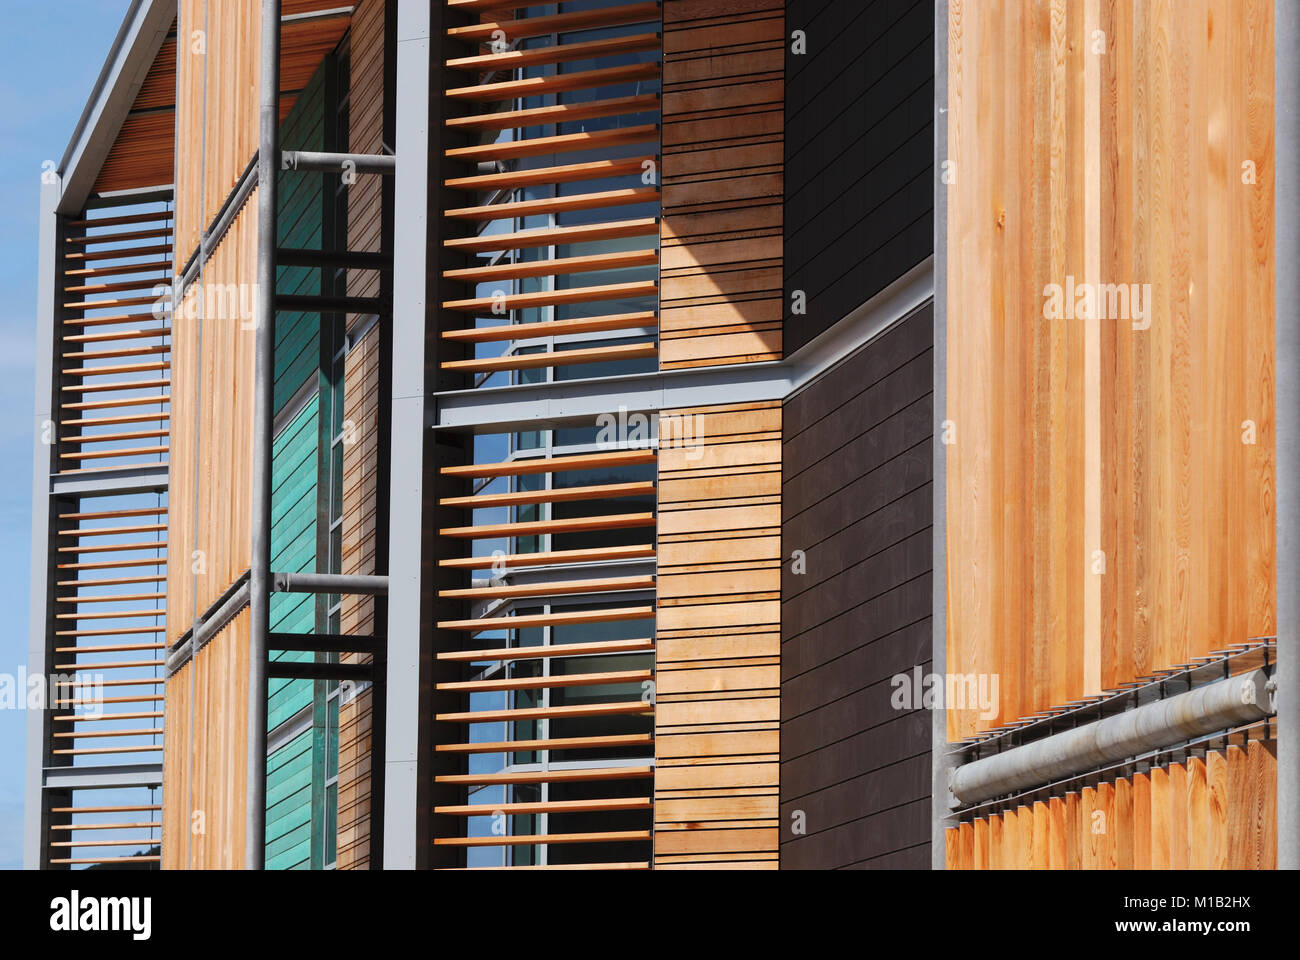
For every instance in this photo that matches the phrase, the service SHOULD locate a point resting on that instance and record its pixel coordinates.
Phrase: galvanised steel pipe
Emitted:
(1216, 706)
(259, 579)
(329, 583)
(384, 164)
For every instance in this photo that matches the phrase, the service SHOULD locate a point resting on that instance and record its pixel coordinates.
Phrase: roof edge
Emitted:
(138, 40)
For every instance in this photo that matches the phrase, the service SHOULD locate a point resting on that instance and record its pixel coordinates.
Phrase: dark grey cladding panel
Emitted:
(857, 498)
(859, 154)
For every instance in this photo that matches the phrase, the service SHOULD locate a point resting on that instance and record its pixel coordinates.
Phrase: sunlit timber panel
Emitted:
(205, 770)
(1110, 470)
(717, 658)
(723, 175)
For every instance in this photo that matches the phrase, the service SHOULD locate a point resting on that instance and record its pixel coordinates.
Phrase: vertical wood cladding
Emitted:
(717, 663)
(720, 280)
(1217, 812)
(204, 762)
(1110, 490)
(366, 135)
(211, 413)
(857, 501)
(859, 148)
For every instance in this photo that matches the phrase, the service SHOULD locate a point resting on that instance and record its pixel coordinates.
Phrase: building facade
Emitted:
(670, 435)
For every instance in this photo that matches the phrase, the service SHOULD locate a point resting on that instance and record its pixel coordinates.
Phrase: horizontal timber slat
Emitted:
(559, 83)
(618, 521)
(517, 560)
(535, 683)
(557, 358)
(551, 776)
(559, 143)
(608, 836)
(527, 27)
(565, 204)
(544, 619)
(560, 743)
(560, 113)
(555, 588)
(581, 461)
(546, 236)
(550, 713)
(551, 328)
(553, 650)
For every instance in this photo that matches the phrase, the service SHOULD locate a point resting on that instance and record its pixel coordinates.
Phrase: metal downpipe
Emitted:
(263, 419)
(1216, 706)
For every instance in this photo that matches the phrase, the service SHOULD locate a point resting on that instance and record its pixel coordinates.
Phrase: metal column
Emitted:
(263, 430)
(35, 850)
(406, 795)
(1286, 143)
(939, 797)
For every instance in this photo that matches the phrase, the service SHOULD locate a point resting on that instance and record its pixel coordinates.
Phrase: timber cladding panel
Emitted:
(218, 68)
(212, 411)
(1213, 812)
(360, 514)
(718, 637)
(366, 135)
(361, 478)
(859, 154)
(721, 232)
(856, 504)
(1110, 484)
(205, 764)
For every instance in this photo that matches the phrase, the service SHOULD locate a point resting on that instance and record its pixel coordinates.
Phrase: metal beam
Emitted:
(311, 303)
(536, 406)
(342, 259)
(1286, 326)
(280, 670)
(259, 593)
(322, 643)
(144, 479)
(104, 776)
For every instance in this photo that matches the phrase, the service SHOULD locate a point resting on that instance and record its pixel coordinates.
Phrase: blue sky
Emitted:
(50, 55)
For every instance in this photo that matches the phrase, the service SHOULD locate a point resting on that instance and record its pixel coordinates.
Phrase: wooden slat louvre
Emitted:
(555, 358)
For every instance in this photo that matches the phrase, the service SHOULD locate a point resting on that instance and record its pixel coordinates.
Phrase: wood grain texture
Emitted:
(205, 764)
(721, 233)
(144, 151)
(211, 473)
(1209, 813)
(717, 655)
(1110, 491)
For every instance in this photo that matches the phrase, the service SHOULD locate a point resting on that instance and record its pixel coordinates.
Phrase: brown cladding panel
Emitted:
(855, 611)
